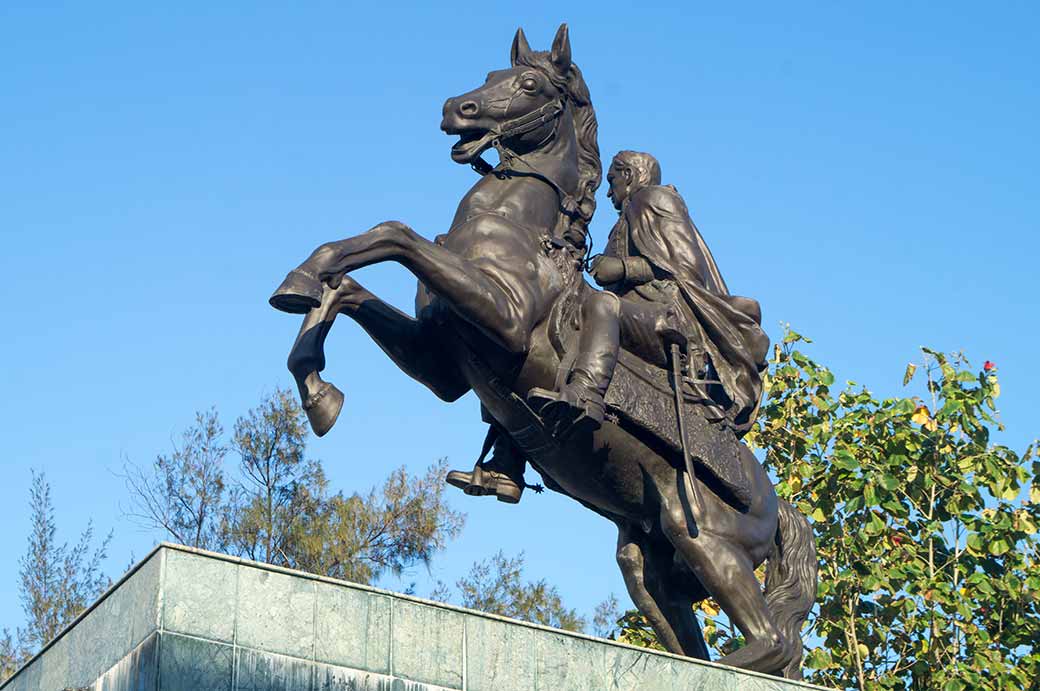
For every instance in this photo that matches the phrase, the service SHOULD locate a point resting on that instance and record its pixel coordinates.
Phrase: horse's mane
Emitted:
(586, 130)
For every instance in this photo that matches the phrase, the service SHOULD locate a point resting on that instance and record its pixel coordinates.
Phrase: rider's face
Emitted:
(619, 179)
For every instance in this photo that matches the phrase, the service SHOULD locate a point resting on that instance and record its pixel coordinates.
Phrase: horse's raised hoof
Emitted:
(299, 293)
(322, 408)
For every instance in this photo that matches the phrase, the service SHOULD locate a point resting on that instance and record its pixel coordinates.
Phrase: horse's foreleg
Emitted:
(665, 601)
(409, 342)
(632, 559)
(402, 338)
(321, 400)
(505, 314)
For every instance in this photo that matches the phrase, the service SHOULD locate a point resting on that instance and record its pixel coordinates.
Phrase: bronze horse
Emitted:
(496, 298)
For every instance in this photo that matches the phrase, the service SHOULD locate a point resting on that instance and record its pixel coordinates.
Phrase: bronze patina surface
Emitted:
(632, 399)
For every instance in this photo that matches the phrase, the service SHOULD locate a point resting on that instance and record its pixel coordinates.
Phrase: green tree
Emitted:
(55, 581)
(360, 537)
(275, 506)
(9, 657)
(926, 529)
(280, 489)
(496, 585)
(184, 492)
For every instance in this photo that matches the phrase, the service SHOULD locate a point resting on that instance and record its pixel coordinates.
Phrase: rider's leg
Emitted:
(505, 313)
(580, 400)
(648, 328)
(501, 476)
(726, 571)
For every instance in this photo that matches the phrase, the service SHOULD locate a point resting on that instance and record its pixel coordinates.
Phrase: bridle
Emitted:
(529, 122)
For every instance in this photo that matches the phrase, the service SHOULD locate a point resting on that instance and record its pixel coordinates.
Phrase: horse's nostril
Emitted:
(468, 108)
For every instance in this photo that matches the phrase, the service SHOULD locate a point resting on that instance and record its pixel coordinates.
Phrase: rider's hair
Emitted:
(586, 129)
(646, 167)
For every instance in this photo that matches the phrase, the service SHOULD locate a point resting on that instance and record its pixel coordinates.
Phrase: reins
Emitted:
(550, 112)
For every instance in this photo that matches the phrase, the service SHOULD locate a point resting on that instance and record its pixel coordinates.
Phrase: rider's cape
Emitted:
(730, 331)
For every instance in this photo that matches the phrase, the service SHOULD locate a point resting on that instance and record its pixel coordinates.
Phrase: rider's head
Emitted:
(629, 172)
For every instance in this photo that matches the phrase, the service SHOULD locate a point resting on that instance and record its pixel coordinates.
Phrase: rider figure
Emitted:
(661, 286)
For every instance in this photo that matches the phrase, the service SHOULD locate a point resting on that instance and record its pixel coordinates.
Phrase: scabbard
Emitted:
(693, 497)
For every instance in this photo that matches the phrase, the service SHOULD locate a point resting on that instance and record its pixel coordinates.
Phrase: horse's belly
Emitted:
(610, 477)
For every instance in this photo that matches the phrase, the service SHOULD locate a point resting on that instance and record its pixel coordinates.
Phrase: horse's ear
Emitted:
(561, 50)
(520, 47)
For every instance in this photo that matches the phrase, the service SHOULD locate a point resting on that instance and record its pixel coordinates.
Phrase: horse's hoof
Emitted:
(323, 408)
(299, 293)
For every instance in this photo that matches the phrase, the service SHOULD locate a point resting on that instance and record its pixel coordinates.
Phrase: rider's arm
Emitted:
(638, 271)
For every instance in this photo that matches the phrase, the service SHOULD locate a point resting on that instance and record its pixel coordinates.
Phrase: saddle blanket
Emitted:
(642, 398)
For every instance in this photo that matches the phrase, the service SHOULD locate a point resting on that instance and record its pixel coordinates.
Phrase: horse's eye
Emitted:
(529, 84)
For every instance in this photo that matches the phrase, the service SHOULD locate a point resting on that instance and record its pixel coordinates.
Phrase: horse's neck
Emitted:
(557, 159)
(518, 191)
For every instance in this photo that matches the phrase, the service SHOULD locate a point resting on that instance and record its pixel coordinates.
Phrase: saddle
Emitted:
(641, 399)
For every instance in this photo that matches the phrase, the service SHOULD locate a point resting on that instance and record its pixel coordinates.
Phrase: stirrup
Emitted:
(565, 419)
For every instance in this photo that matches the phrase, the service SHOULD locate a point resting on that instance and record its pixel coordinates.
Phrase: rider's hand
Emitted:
(607, 270)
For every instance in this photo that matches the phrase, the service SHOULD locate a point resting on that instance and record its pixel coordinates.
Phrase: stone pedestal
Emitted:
(186, 620)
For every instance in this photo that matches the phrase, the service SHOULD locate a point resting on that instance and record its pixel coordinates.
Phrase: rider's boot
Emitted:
(501, 476)
(578, 407)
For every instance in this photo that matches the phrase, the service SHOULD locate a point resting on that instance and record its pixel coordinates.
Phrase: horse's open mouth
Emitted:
(470, 145)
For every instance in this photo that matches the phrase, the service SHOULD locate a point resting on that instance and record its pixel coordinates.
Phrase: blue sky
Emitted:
(868, 173)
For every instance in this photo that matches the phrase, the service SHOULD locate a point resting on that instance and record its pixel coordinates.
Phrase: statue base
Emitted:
(187, 620)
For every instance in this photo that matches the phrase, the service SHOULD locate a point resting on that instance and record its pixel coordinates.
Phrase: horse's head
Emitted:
(519, 106)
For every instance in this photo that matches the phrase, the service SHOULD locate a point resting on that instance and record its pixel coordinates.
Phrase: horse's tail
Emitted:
(791, 577)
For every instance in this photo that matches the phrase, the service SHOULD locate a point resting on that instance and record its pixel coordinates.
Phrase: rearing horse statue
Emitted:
(497, 301)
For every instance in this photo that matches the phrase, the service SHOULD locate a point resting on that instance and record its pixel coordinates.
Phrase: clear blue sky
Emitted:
(869, 174)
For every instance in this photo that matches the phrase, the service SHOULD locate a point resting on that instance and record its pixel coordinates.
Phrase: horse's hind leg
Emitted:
(654, 592)
(727, 573)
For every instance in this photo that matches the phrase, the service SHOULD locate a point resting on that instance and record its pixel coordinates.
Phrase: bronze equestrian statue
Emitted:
(503, 309)
(662, 287)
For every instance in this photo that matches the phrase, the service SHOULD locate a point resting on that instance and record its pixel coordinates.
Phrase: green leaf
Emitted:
(818, 658)
(889, 482)
(870, 495)
(975, 542)
(998, 547)
(875, 526)
(909, 374)
(844, 459)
